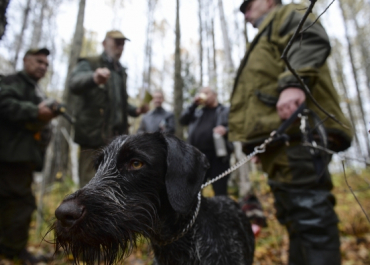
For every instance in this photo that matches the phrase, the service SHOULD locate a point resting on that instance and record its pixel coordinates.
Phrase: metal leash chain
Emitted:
(257, 150)
(189, 225)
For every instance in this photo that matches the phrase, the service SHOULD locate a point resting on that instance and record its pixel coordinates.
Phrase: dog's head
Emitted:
(141, 181)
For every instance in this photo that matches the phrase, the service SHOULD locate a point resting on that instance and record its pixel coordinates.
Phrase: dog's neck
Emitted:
(174, 226)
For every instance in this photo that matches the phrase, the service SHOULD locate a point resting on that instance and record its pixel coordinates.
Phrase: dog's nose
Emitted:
(69, 212)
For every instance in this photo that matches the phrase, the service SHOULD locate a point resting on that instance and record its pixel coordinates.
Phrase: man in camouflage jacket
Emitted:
(266, 93)
(23, 115)
(101, 108)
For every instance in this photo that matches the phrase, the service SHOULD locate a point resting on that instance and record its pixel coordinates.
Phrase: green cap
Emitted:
(35, 51)
(115, 34)
(244, 5)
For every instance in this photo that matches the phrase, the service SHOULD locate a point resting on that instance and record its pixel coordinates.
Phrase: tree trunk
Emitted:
(361, 40)
(37, 25)
(342, 82)
(226, 40)
(148, 49)
(200, 42)
(62, 146)
(354, 72)
(178, 82)
(214, 78)
(211, 73)
(209, 45)
(76, 42)
(19, 42)
(3, 6)
(67, 97)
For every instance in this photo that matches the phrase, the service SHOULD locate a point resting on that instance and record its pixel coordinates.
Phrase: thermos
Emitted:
(220, 145)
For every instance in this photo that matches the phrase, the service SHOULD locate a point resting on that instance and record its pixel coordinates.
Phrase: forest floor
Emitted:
(271, 243)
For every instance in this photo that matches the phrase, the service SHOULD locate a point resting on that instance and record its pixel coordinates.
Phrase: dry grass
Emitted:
(271, 244)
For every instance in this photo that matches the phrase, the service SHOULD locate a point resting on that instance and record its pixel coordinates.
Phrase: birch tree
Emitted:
(210, 45)
(226, 40)
(148, 48)
(19, 39)
(200, 17)
(38, 22)
(351, 54)
(61, 141)
(354, 9)
(214, 54)
(342, 84)
(178, 82)
(229, 65)
(3, 6)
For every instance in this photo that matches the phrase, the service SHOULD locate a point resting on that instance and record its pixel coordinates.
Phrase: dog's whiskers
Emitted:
(104, 219)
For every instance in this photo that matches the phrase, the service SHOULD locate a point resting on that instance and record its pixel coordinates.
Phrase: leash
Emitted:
(274, 136)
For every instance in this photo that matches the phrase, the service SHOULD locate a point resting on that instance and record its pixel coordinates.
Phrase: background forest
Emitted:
(179, 46)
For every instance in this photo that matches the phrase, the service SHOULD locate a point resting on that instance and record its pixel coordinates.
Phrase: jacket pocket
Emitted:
(266, 98)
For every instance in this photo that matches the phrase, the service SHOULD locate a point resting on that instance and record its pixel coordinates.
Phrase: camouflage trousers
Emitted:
(16, 206)
(304, 203)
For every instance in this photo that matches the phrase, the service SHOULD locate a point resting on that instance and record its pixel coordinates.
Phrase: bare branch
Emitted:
(345, 177)
(331, 152)
(284, 56)
(317, 19)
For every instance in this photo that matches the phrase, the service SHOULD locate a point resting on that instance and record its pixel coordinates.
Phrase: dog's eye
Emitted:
(136, 164)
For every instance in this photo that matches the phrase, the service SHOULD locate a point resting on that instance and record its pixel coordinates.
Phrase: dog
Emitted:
(149, 185)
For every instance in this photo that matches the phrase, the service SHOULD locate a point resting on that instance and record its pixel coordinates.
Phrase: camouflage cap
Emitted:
(244, 5)
(115, 34)
(35, 51)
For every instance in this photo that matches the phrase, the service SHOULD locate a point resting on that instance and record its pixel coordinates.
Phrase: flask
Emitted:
(220, 145)
(162, 125)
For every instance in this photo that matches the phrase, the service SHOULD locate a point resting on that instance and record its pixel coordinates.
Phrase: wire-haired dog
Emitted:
(148, 185)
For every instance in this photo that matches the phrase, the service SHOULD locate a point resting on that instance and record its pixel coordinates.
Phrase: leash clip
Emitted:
(303, 127)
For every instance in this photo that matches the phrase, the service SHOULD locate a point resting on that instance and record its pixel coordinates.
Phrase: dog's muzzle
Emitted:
(69, 212)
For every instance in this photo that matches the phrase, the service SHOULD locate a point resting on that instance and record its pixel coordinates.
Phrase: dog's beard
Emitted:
(110, 227)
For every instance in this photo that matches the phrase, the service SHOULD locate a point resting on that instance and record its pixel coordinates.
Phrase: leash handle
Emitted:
(291, 119)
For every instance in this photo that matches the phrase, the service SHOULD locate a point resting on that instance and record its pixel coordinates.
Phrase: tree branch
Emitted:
(331, 152)
(317, 19)
(284, 56)
(362, 208)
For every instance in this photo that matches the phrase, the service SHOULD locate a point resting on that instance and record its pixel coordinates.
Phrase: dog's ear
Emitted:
(186, 168)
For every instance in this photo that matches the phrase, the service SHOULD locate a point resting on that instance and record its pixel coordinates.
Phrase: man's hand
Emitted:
(143, 109)
(290, 99)
(45, 113)
(197, 100)
(221, 130)
(200, 99)
(101, 76)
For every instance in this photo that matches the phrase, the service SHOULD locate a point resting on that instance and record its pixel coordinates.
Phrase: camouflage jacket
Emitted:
(262, 76)
(19, 126)
(100, 111)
